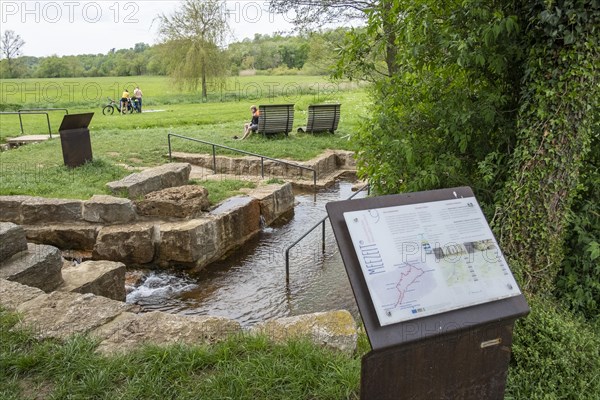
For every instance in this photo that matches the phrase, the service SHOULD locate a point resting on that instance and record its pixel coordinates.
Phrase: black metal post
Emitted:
(169, 140)
(262, 167)
(49, 128)
(214, 159)
(323, 243)
(21, 122)
(287, 267)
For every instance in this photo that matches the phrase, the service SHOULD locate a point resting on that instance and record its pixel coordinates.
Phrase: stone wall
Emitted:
(113, 229)
(326, 164)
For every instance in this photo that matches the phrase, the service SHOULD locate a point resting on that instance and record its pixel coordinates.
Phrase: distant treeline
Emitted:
(312, 53)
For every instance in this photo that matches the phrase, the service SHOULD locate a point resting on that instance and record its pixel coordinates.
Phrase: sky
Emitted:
(72, 27)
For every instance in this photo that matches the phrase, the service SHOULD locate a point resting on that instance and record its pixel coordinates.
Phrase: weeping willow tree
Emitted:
(193, 37)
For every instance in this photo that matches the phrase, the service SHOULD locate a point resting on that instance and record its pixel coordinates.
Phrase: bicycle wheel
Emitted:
(108, 110)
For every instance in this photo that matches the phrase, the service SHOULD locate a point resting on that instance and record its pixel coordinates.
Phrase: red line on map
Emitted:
(406, 279)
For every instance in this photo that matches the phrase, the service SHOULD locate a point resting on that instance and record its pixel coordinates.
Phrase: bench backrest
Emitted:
(323, 117)
(275, 118)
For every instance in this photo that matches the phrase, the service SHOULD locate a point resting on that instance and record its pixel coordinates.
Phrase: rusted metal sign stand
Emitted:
(460, 347)
(75, 139)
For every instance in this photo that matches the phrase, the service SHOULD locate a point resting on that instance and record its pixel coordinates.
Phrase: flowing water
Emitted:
(249, 286)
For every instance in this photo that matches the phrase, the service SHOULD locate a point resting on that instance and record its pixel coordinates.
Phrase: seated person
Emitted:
(251, 126)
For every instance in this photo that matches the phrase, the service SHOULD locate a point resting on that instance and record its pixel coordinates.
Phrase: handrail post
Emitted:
(170, 154)
(49, 129)
(323, 236)
(21, 122)
(287, 267)
(262, 167)
(214, 159)
(315, 179)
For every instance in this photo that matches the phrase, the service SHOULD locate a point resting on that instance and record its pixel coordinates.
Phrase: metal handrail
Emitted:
(19, 113)
(45, 109)
(321, 222)
(262, 158)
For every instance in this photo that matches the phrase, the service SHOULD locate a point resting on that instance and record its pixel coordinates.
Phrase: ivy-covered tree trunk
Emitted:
(560, 95)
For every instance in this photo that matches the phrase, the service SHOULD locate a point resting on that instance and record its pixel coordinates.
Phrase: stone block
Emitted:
(62, 314)
(40, 210)
(12, 240)
(160, 328)
(190, 243)
(186, 201)
(141, 183)
(39, 266)
(333, 329)
(130, 244)
(13, 294)
(64, 236)
(238, 220)
(102, 278)
(275, 200)
(108, 210)
(10, 208)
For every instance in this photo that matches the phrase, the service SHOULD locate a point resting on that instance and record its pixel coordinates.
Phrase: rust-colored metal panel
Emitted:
(467, 365)
(75, 139)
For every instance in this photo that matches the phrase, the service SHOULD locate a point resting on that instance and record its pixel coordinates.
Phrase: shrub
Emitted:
(555, 356)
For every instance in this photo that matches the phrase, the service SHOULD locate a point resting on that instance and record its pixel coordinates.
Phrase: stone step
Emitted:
(12, 240)
(102, 278)
(38, 266)
(151, 180)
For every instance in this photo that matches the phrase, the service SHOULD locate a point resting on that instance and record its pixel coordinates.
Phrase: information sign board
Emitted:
(423, 263)
(423, 259)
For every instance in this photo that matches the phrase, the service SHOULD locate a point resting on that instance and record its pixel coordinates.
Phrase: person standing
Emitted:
(124, 101)
(137, 93)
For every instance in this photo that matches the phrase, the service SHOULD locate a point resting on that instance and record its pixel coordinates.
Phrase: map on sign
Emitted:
(427, 258)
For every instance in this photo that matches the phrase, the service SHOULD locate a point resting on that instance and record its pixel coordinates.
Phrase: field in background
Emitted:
(228, 101)
(141, 139)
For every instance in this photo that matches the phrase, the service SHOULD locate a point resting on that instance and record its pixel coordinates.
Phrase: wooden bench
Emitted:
(275, 118)
(322, 118)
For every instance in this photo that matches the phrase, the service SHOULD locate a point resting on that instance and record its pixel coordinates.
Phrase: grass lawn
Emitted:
(141, 139)
(243, 367)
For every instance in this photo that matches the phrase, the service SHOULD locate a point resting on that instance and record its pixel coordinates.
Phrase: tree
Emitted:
(314, 13)
(10, 47)
(193, 37)
(500, 95)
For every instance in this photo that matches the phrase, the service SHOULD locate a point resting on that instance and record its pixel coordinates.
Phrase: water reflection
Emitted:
(249, 285)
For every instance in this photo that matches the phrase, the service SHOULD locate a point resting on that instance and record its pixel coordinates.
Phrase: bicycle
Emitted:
(112, 105)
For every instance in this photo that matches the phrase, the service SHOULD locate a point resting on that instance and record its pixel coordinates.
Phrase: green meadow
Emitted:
(141, 139)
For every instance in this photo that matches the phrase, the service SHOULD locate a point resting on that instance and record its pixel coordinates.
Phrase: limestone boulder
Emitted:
(73, 236)
(12, 240)
(275, 200)
(141, 183)
(238, 220)
(62, 314)
(38, 266)
(11, 208)
(102, 278)
(346, 159)
(129, 244)
(334, 329)
(160, 328)
(324, 164)
(108, 210)
(37, 210)
(191, 243)
(186, 201)
(13, 294)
